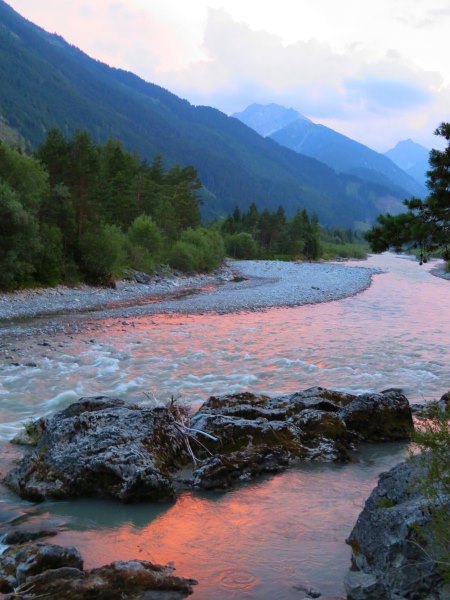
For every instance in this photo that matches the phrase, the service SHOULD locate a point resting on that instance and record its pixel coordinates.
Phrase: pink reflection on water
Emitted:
(255, 542)
(393, 334)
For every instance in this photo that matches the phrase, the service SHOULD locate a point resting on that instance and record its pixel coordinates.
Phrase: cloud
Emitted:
(345, 88)
(380, 95)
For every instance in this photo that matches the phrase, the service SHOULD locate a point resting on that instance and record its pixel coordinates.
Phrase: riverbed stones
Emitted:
(394, 552)
(18, 563)
(35, 571)
(105, 447)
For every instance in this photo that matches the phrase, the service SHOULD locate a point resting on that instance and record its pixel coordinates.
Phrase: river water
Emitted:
(261, 540)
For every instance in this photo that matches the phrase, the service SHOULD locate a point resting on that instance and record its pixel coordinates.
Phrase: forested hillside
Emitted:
(83, 211)
(47, 83)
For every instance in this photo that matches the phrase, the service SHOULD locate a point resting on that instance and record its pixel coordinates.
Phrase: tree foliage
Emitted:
(254, 234)
(426, 224)
(80, 210)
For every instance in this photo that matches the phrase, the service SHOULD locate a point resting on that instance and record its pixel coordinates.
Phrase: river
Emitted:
(262, 539)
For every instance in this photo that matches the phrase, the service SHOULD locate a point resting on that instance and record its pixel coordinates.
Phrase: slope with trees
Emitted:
(47, 83)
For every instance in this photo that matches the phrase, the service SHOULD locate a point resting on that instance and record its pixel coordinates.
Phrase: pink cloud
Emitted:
(112, 31)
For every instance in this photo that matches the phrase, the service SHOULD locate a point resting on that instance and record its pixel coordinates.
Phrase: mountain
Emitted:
(266, 119)
(330, 147)
(345, 155)
(46, 82)
(412, 158)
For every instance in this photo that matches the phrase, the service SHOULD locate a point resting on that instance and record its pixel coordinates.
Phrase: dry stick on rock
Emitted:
(182, 419)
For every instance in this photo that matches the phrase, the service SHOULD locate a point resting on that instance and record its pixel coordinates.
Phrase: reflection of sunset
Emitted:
(284, 530)
(367, 342)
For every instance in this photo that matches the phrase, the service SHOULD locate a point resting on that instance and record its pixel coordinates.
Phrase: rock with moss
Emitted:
(379, 417)
(102, 447)
(223, 471)
(105, 447)
(394, 552)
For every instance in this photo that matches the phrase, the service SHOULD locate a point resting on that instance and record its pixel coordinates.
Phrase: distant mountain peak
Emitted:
(268, 118)
(411, 157)
(409, 144)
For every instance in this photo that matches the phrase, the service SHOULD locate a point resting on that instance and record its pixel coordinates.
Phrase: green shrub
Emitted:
(207, 248)
(335, 250)
(184, 257)
(145, 243)
(242, 246)
(144, 232)
(433, 438)
(102, 254)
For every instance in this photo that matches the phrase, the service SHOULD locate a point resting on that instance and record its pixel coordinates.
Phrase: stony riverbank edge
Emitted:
(237, 285)
(137, 287)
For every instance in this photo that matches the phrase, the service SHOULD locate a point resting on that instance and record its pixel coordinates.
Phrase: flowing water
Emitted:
(264, 538)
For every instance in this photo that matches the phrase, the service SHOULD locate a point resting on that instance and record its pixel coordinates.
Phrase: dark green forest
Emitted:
(77, 210)
(80, 211)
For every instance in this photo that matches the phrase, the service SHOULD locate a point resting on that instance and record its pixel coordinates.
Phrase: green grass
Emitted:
(332, 250)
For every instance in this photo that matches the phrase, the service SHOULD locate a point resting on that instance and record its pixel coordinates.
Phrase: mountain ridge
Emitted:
(50, 83)
(412, 158)
(336, 150)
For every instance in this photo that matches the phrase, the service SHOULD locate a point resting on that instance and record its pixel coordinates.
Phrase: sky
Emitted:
(377, 71)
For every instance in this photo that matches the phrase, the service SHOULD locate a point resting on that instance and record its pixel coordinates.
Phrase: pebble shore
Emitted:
(239, 285)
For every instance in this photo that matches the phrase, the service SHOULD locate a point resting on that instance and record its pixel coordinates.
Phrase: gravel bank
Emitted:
(266, 284)
(273, 283)
(63, 299)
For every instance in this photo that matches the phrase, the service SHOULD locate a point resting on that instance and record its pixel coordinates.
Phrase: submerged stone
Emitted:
(47, 571)
(18, 563)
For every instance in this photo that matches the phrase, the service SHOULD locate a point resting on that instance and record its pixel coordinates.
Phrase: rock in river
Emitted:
(48, 571)
(394, 553)
(105, 447)
(101, 447)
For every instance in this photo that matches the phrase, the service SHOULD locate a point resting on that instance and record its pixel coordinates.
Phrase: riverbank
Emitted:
(238, 285)
(63, 299)
(440, 271)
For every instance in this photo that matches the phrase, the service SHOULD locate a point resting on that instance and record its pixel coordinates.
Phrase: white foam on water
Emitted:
(62, 400)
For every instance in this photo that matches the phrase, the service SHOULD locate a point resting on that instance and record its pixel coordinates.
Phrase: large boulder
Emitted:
(242, 435)
(394, 554)
(105, 447)
(102, 447)
(379, 417)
